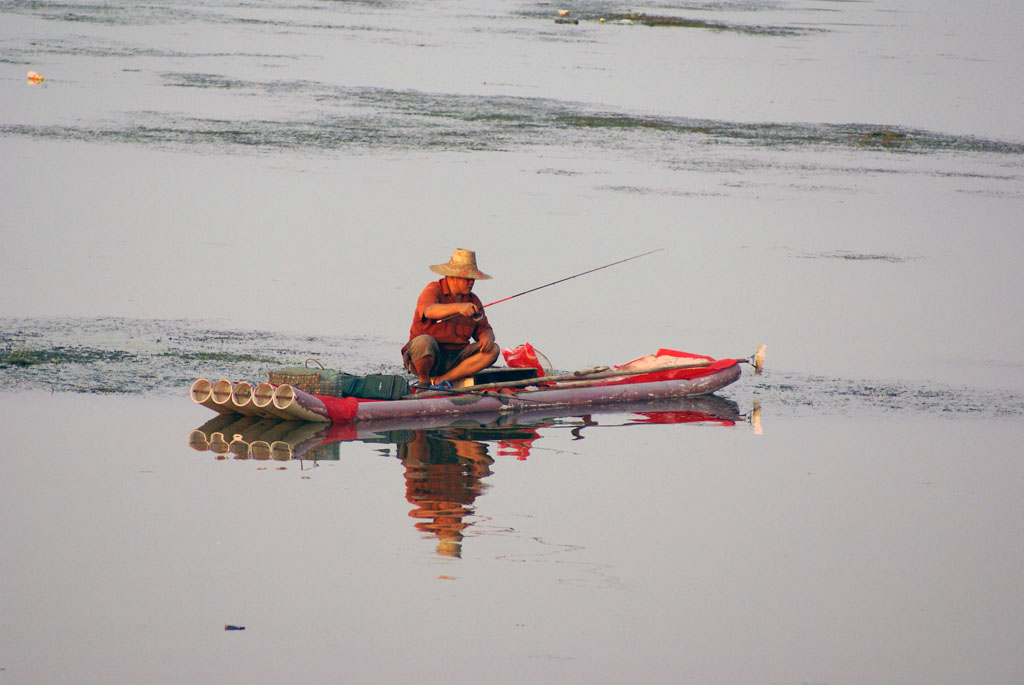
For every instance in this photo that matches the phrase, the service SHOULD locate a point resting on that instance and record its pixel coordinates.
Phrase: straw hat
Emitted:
(462, 264)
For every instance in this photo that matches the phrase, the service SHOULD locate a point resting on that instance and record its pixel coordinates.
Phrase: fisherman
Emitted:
(439, 347)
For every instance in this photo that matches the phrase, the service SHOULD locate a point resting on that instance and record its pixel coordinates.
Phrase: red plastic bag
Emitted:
(523, 357)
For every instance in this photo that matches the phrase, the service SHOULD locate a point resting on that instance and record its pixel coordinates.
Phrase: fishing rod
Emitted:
(561, 280)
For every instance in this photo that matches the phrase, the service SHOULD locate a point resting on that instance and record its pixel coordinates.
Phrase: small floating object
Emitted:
(759, 359)
(563, 18)
(35, 77)
(231, 627)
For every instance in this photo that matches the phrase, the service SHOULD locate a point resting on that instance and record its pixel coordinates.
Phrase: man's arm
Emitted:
(486, 340)
(440, 311)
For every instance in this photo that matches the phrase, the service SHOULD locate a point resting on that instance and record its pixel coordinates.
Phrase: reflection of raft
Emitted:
(667, 374)
(445, 458)
(247, 437)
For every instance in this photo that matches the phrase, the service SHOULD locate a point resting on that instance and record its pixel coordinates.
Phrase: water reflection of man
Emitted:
(442, 480)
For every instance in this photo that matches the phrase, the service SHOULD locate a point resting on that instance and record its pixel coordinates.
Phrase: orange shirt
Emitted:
(455, 333)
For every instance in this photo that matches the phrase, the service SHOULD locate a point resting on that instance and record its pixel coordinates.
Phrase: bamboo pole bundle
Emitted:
(263, 401)
(221, 396)
(201, 392)
(300, 405)
(233, 397)
(241, 399)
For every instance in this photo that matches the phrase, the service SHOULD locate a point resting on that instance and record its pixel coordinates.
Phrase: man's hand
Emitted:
(468, 309)
(487, 344)
(440, 312)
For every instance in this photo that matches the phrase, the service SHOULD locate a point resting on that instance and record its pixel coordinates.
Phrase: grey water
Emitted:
(217, 188)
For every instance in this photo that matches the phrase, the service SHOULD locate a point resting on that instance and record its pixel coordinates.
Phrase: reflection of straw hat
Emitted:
(462, 264)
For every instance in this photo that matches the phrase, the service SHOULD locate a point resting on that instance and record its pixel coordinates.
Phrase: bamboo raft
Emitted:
(645, 379)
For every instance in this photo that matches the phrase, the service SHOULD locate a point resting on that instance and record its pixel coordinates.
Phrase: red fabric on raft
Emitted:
(675, 374)
(340, 409)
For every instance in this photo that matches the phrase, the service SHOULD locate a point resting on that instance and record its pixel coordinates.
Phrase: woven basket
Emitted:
(313, 381)
(331, 383)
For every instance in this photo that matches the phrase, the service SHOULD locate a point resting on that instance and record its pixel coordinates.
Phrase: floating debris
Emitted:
(563, 18)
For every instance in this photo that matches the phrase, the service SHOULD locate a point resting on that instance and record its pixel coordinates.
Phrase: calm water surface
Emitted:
(824, 550)
(218, 188)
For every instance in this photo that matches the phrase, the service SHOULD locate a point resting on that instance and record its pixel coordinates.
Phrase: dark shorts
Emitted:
(444, 360)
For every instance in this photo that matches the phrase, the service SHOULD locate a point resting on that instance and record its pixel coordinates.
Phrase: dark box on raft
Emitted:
(332, 383)
(497, 375)
(377, 386)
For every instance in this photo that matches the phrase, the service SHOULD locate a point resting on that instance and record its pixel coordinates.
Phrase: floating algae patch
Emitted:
(142, 13)
(667, 191)
(794, 135)
(784, 393)
(200, 80)
(93, 47)
(857, 257)
(657, 20)
(79, 369)
(60, 355)
(614, 15)
(330, 117)
(116, 14)
(617, 121)
(221, 357)
(114, 355)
